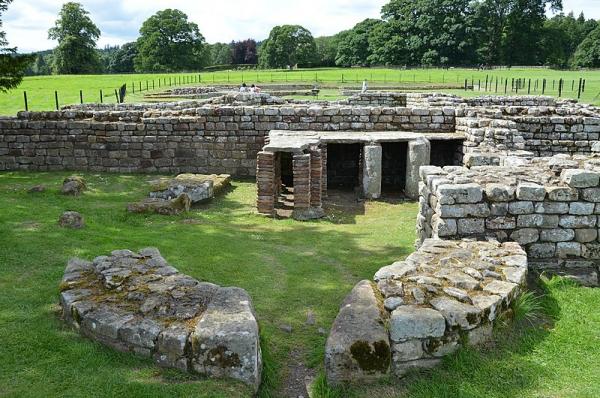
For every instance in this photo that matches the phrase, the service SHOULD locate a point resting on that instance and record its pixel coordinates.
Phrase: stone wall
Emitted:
(445, 295)
(545, 131)
(550, 206)
(174, 139)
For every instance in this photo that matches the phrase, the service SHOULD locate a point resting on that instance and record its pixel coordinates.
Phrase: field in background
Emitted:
(41, 89)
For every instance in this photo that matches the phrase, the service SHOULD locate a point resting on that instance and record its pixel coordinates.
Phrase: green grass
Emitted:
(288, 268)
(40, 90)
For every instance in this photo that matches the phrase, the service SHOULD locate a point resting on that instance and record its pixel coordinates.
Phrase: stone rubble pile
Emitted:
(170, 196)
(445, 295)
(137, 302)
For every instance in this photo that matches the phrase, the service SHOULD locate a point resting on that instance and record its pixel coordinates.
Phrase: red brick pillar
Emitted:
(302, 186)
(266, 184)
(316, 177)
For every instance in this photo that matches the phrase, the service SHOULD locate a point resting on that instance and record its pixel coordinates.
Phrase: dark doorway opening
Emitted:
(285, 199)
(287, 169)
(393, 165)
(447, 153)
(344, 162)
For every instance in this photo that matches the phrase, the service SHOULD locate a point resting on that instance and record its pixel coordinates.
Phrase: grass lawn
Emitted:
(289, 268)
(40, 89)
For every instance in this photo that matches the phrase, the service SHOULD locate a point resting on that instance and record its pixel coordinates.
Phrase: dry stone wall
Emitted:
(550, 206)
(206, 140)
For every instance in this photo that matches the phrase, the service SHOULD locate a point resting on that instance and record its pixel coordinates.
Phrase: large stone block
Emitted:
(412, 322)
(358, 348)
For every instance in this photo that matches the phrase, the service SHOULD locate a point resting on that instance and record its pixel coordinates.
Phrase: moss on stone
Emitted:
(371, 359)
(220, 357)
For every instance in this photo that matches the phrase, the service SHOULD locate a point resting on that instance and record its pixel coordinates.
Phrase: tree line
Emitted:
(439, 33)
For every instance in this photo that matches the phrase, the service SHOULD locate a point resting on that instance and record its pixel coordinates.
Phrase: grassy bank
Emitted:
(40, 90)
(289, 269)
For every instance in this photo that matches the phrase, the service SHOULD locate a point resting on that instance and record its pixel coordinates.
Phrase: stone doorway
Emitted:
(344, 166)
(393, 167)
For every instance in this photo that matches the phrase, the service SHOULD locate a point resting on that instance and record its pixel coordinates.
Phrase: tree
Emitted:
(220, 54)
(288, 45)
(353, 47)
(588, 52)
(77, 36)
(424, 32)
(123, 59)
(512, 30)
(327, 48)
(244, 52)
(12, 66)
(168, 42)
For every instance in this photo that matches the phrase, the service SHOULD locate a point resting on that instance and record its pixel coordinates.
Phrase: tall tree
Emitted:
(220, 54)
(12, 66)
(168, 42)
(353, 46)
(588, 52)
(288, 45)
(424, 32)
(123, 59)
(327, 48)
(244, 52)
(77, 35)
(512, 30)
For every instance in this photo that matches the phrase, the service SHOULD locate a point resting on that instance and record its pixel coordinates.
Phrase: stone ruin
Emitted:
(445, 295)
(170, 196)
(515, 176)
(137, 302)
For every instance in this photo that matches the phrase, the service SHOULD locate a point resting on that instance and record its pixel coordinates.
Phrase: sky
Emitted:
(27, 21)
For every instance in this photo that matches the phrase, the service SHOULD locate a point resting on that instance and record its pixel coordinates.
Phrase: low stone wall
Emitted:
(445, 295)
(206, 140)
(545, 131)
(549, 206)
(137, 302)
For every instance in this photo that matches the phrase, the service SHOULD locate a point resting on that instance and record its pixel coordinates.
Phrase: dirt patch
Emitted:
(294, 385)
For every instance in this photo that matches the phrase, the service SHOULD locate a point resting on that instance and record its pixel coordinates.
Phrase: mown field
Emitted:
(289, 268)
(40, 90)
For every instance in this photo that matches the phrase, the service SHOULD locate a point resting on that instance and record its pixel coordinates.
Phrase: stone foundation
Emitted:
(137, 302)
(445, 295)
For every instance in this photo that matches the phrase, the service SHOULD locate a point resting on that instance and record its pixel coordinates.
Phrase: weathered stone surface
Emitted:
(71, 219)
(458, 314)
(162, 206)
(530, 191)
(73, 186)
(372, 171)
(198, 187)
(358, 348)
(439, 291)
(580, 178)
(412, 322)
(137, 302)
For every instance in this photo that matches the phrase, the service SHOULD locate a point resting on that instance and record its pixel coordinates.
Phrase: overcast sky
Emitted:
(27, 21)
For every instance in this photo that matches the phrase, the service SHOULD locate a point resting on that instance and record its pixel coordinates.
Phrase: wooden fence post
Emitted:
(25, 98)
(56, 99)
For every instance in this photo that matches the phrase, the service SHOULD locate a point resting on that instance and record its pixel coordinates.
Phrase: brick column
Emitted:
(316, 177)
(266, 184)
(302, 186)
